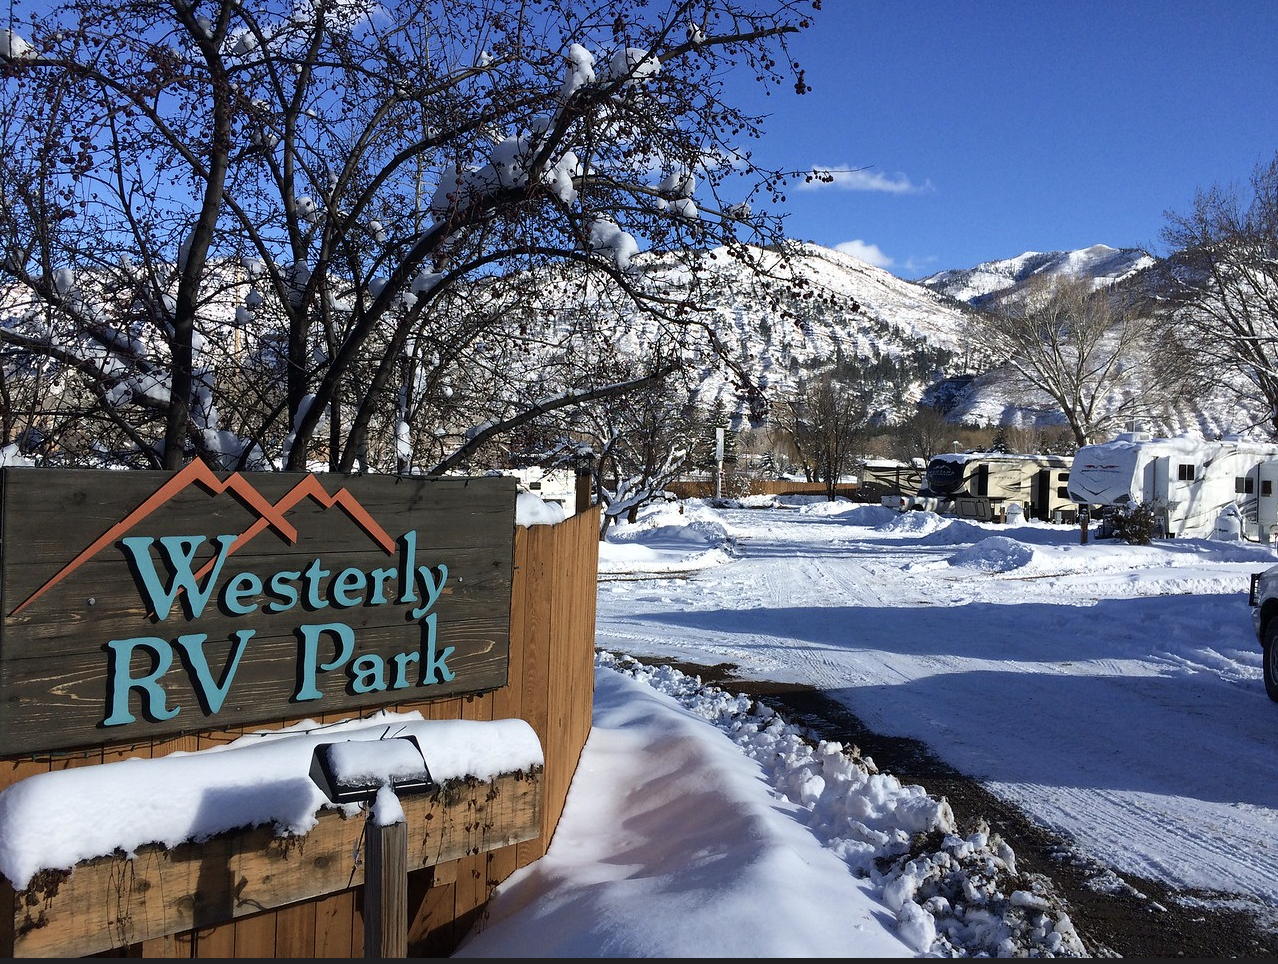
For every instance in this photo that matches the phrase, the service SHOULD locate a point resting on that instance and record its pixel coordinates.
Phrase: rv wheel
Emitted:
(1271, 659)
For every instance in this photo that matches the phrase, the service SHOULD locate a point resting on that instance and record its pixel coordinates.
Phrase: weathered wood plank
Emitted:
(335, 926)
(295, 930)
(433, 930)
(111, 902)
(167, 946)
(543, 642)
(508, 700)
(255, 936)
(216, 941)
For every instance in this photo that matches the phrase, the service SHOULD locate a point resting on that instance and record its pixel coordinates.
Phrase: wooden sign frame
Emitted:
(158, 891)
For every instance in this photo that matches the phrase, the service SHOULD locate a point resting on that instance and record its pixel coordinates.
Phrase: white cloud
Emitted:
(863, 251)
(915, 267)
(862, 179)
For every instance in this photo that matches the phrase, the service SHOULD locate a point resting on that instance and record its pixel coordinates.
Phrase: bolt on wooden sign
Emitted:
(145, 604)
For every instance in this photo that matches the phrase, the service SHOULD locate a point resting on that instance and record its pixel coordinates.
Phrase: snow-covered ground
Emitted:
(1113, 692)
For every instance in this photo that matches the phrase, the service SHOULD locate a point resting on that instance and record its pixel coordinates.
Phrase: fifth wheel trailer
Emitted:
(981, 485)
(1187, 480)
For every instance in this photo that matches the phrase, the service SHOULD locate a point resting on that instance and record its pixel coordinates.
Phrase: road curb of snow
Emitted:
(952, 896)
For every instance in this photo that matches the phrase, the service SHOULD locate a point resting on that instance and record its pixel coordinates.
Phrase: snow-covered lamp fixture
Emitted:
(352, 771)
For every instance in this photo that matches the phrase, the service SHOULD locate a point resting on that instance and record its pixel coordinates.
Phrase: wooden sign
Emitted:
(147, 604)
(114, 901)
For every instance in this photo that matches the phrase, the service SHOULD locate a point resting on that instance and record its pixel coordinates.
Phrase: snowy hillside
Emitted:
(983, 402)
(911, 337)
(1105, 265)
(1225, 410)
(902, 336)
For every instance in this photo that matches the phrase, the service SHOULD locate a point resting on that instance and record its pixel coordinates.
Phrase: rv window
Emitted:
(1185, 473)
(1244, 485)
(1062, 492)
(1267, 487)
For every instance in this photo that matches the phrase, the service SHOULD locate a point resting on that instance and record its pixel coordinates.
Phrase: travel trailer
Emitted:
(552, 485)
(1187, 480)
(888, 479)
(983, 485)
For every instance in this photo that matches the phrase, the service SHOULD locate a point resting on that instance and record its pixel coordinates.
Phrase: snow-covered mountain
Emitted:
(911, 338)
(898, 335)
(976, 286)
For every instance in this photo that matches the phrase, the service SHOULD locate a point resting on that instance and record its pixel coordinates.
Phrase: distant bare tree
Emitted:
(1226, 269)
(827, 419)
(1098, 354)
(924, 434)
(1021, 438)
(643, 440)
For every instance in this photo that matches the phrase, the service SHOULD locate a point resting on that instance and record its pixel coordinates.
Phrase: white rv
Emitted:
(1187, 480)
(552, 485)
(982, 485)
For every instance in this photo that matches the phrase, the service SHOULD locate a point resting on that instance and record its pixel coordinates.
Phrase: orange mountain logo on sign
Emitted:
(197, 473)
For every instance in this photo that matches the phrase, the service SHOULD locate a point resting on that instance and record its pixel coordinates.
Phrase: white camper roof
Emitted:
(1106, 473)
(1039, 458)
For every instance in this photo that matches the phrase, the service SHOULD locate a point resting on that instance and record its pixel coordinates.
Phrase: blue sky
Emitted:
(988, 129)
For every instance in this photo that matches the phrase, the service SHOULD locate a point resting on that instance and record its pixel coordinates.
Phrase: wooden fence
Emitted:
(550, 685)
(735, 487)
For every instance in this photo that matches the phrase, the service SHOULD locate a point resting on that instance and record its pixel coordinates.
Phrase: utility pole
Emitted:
(718, 462)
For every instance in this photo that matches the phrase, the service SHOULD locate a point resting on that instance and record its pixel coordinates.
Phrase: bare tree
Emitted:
(1226, 271)
(827, 420)
(1097, 354)
(924, 434)
(644, 441)
(270, 232)
(1025, 438)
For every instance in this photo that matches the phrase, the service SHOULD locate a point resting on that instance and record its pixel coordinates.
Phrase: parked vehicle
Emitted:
(552, 485)
(1188, 482)
(886, 480)
(1263, 600)
(983, 485)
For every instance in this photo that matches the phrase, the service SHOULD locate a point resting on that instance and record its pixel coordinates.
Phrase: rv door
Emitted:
(1042, 502)
(982, 479)
(1160, 493)
(1267, 500)
(1165, 508)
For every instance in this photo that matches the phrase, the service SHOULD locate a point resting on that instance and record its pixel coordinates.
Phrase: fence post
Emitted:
(584, 462)
(386, 890)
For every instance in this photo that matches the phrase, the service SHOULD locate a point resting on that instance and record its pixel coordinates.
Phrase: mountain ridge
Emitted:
(981, 284)
(909, 339)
